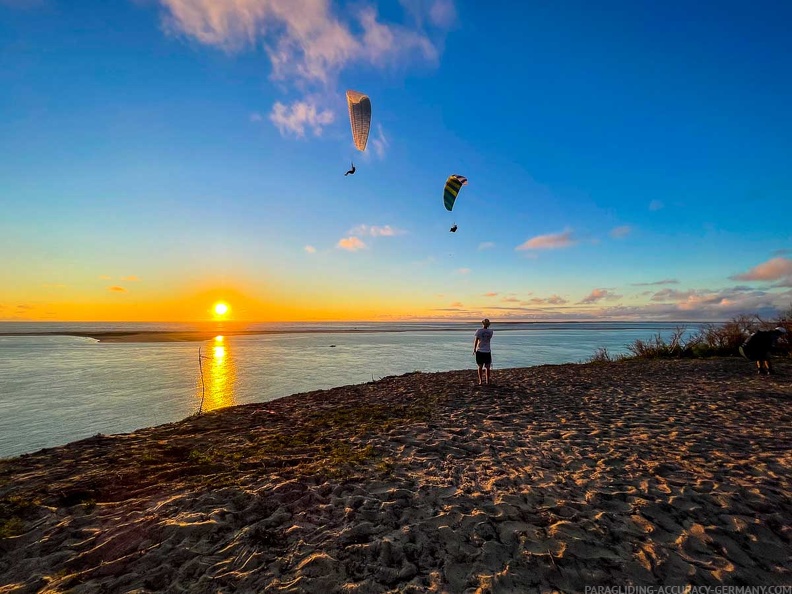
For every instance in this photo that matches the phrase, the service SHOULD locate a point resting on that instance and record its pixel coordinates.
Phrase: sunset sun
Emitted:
(220, 309)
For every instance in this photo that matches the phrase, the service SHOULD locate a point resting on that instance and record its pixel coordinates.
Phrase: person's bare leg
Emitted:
(479, 374)
(759, 367)
(487, 373)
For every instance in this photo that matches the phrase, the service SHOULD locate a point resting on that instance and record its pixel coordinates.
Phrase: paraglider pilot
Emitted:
(351, 171)
(453, 228)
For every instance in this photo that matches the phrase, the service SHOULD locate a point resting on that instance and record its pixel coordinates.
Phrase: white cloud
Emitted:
(298, 116)
(598, 295)
(310, 249)
(549, 242)
(310, 42)
(380, 143)
(304, 39)
(351, 244)
(619, 232)
(374, 231)
(777, 269)
(463, 270)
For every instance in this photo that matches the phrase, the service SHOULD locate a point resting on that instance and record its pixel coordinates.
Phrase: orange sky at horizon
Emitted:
(200, 307)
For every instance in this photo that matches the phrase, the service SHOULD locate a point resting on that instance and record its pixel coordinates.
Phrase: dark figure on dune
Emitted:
(758, 346)
(351, 171)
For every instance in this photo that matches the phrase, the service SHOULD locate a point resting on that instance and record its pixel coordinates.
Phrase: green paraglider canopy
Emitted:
(453, 184)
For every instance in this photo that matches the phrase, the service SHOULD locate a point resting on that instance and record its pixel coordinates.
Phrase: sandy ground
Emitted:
(553, 479)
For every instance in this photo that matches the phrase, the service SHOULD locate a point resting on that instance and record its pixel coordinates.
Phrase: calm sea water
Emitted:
(56, 389)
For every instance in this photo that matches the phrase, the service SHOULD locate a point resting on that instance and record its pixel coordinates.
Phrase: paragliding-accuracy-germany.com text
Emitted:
(688, 590)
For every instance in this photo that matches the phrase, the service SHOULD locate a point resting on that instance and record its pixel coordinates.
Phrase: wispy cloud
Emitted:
(486, 245)
(552, 300)
(105, 277)
(598, 295)
(256, 117)
(551, 241)
(375, 231)
(620, 232)
(777, 269)
(351, 244)
(295, 118)
(131, 279)
(309, 43)
(667, 281)
(304, 39)
(116, 289)
(463, 270)
(310, 249)
(441, 13)
(379, 143)
(491, 294)
(510, 300)
(656, 205)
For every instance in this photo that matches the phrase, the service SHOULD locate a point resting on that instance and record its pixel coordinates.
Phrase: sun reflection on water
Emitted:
(218, 384)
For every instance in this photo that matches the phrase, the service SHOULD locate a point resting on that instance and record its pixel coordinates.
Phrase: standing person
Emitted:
(483, 352)
(758, 346)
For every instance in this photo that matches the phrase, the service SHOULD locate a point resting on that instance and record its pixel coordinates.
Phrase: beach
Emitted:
(553, 479)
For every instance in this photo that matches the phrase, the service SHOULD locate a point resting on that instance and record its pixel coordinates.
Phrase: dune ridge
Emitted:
(554, 478)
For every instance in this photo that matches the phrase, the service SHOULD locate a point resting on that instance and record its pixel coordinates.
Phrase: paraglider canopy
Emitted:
(452, 187)
(359, 117)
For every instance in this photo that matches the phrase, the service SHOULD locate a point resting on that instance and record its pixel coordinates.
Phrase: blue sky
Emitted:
(625, 160)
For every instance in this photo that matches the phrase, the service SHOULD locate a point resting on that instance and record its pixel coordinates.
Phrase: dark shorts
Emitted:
(483, 358)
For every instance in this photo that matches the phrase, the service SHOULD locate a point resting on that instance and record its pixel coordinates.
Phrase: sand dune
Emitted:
(553, 479)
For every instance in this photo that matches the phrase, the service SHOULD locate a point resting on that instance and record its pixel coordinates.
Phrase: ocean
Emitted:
(57, 389)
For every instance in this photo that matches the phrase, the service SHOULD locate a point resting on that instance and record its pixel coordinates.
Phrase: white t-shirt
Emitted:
(484, 335)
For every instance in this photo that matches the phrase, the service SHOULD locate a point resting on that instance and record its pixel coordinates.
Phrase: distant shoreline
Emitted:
(203, 335)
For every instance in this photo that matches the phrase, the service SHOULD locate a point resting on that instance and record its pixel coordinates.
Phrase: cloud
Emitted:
(456, 305)
(777, 269)
(598, 295)
(374, 231)
(510, 300)
(379, 143)
(132, 278)
(117, 289)
(490, 294)
(298, 116)
(256, 117)
(304, 39)
(655, 205)
(619, 232)
(549, 242)
(672, 295)
(553, 300)
(463, 270)
(441, 13)
(351, 244)
(486, 245)
(310, 249)
(667, 281)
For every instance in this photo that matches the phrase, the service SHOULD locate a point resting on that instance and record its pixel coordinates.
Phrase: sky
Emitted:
(625, 160)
